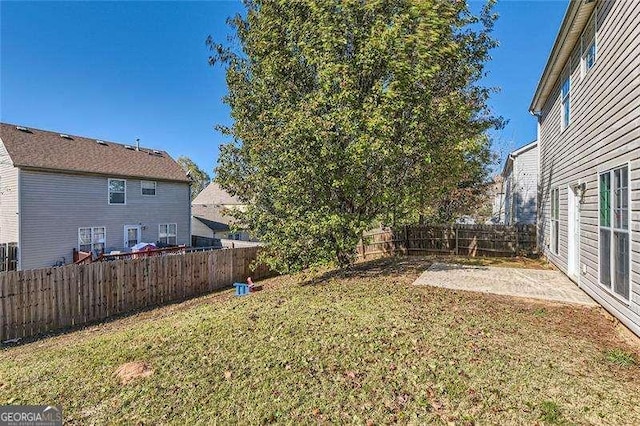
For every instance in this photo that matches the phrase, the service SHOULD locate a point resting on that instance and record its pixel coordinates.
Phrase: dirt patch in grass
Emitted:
(354, 346)
(130, 371)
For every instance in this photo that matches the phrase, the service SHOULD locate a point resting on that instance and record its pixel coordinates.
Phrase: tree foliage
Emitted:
(199, 178)
(348, 112)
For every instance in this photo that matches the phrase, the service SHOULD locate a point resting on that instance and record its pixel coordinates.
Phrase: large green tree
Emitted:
(348, 112)
(199, 178)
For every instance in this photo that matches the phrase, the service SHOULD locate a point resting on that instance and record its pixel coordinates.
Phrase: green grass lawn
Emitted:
(360, 346)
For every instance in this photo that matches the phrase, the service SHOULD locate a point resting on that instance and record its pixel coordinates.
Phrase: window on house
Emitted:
(614, 231)
(168, 234)
(92, 239)
(148, 187)
(566, 100)
(555, 220)
(588, 42)
(117, 191)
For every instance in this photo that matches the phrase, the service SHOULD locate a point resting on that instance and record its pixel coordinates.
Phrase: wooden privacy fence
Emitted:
(42, 300)
(8, 257)
(462, 240)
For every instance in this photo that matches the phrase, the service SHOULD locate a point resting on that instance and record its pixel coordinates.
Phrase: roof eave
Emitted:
(507, 163)
(561, 52)
(89, 173)
(525, 148)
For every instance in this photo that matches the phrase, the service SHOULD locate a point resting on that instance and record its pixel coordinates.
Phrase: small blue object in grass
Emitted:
(242, 289)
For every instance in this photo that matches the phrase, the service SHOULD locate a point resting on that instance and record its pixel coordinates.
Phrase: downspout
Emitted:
(19, 213)
(538, 115)
(190, 241)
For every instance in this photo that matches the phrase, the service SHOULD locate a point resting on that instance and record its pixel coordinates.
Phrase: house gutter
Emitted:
(566, 40)
(109, 175)
(516, 153)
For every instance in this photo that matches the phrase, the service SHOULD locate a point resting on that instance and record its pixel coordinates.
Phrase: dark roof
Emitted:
(213, 217)
(213, 225)
(212, 213)
(214, 195)
(45, 150)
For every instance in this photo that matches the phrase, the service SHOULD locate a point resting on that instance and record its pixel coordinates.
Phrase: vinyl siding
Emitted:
(526, 166)
(200, 229)
(604, 133)
(522, 181)
(8, 198)
(54, 206)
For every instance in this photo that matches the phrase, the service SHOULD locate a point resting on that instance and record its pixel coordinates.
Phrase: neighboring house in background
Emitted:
(60, 192)
(496, 198)
(210, 216)
(588, 108)
(520, 185)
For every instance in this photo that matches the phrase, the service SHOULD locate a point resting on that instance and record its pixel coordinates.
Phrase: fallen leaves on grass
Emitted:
(362, 345)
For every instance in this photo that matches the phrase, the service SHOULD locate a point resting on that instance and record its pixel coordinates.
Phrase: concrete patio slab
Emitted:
(532, 283)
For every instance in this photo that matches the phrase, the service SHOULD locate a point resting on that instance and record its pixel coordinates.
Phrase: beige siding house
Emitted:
(588, 108)
(211, 218)
(62, 192)
(520, 185)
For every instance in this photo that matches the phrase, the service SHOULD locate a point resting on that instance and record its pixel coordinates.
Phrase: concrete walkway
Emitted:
(537, 284)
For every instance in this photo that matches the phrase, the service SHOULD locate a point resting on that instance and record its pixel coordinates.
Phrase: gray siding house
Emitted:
(520, 185)
(496, 198)
(210, 215)
(588, 108)
(60, 192)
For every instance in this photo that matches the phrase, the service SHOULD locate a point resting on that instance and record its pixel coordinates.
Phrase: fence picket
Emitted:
(466, 240)
(38, 301)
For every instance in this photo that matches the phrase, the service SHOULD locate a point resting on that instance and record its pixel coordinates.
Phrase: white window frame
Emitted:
(167, 235)
(612, 230)
(109, 192)
(554, 244)
(565, 118)
(584, 45)
(155, 188)
(92, 228)
(125, 241)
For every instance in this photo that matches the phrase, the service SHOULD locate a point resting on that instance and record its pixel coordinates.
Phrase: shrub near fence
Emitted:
(463, 240)
(42, 300)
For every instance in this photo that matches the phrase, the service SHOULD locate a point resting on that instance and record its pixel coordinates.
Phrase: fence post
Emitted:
(364, 245)
(455, 228)
(406, 239)
(517, 240)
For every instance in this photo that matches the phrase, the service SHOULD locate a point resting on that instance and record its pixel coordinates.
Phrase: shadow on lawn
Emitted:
(378, 268)
(407, 265)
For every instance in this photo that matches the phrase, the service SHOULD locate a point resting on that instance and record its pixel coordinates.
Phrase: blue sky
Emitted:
(125, 70)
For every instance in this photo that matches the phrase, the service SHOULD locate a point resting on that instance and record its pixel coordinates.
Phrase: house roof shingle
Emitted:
(213, 194)
(211, 213)
(213, 225)
(46, 150)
